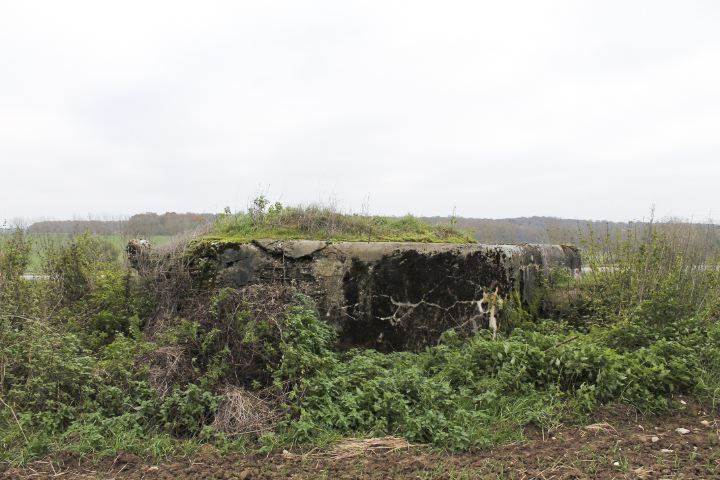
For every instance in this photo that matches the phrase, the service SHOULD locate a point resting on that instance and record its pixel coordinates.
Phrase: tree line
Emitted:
(143, 224)
(553, 230)
(536, 229)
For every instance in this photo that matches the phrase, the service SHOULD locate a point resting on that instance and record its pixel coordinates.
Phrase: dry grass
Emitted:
(600, 428)
(244, 413)
(168, 365)
(352, 447)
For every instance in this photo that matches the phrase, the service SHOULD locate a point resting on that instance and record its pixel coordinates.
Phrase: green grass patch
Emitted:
(323, 223)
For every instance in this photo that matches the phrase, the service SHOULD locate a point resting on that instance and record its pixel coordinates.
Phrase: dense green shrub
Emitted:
(16, 295)
(452, 395)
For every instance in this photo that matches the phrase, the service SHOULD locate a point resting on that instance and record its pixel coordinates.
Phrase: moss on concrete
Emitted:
(313, 223)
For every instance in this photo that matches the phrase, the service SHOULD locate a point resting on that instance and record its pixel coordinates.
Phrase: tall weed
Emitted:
(653, 276)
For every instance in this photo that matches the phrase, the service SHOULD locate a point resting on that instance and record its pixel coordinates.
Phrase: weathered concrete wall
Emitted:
(390, 296)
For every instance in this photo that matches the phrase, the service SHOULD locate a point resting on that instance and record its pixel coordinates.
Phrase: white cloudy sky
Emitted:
(593, 110)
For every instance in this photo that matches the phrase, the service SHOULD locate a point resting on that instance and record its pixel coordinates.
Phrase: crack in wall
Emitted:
(395, 320)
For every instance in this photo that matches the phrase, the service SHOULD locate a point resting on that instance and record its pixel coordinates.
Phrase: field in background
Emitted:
(113, 244)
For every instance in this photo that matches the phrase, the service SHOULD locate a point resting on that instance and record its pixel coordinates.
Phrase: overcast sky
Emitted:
(590, 110)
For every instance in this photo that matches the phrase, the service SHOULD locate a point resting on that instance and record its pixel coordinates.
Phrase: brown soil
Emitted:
(619, 444)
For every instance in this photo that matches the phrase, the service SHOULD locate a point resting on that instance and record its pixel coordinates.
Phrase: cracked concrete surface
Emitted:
(395, 296)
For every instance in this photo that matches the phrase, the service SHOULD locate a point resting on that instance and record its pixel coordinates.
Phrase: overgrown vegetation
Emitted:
(108, 245)
(319, 222)
(97, 358)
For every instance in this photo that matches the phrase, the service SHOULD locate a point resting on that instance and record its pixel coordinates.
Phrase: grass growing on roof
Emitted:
(317, 222)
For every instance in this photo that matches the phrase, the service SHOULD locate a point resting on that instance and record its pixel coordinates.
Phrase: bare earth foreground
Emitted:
(619, 444)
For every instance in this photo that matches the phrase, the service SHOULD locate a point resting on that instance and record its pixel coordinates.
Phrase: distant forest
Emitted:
(551, 230)
(141, 225)
(533, 229)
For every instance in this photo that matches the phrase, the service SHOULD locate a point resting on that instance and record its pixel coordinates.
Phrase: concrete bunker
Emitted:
(390, 295)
